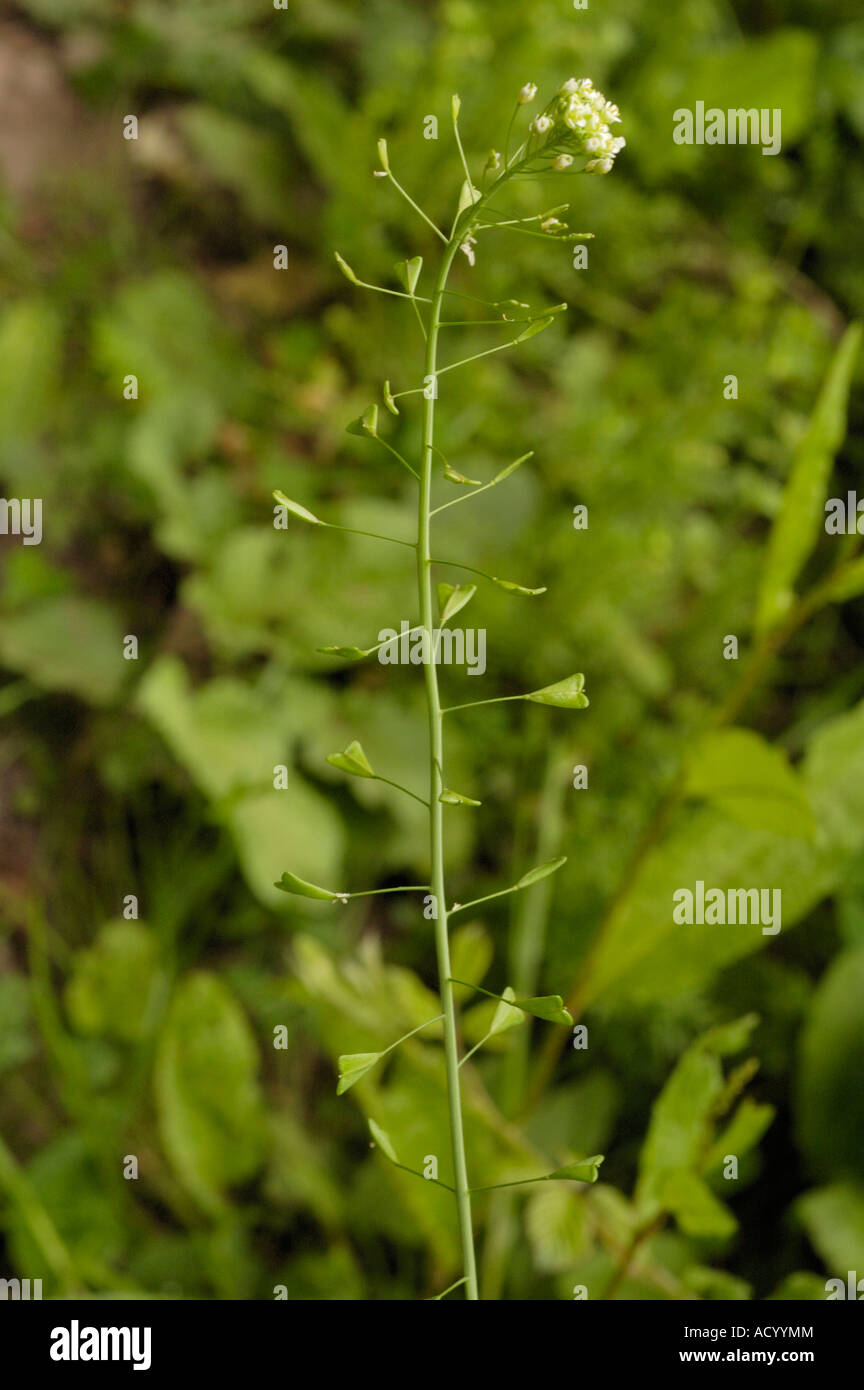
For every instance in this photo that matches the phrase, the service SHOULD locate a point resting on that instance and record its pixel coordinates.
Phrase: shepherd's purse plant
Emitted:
(572, 135)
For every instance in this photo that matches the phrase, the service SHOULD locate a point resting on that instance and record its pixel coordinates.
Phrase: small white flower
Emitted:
(611, 112)
(528, 93)
(599, 166)
(571, 85)
(593, 143)
(551, 224)
(563, 161)
(468, 247)
(540, 125)
(618, 144)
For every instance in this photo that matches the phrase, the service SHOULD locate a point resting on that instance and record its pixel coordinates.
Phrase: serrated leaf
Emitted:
(296, 509)
(584, 1170)
(452, 599)
(454, 476)
(352, 760)
(383, 1140)
(451, 798)
(354, 1065)
(549, 1007)
(365, 424)
(566, 694)
(534, 328)
(506, 1016)
(515, 588)
(290, 883)
(542, 871)
(511, 468)
(409, 272)
(346, 269)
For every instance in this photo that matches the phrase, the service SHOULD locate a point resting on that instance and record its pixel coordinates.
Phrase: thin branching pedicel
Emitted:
(572, 135)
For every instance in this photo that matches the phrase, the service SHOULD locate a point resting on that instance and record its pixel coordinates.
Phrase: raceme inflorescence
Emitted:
(571, 135)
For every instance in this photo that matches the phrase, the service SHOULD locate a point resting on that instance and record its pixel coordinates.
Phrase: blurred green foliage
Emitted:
(200, 1037)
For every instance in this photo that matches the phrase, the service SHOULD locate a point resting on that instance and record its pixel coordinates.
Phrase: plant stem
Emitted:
(436, 786)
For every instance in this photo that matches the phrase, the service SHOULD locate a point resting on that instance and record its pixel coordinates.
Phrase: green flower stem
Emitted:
(373, 535)
(436, 786)
(400, 788)
(496, 700)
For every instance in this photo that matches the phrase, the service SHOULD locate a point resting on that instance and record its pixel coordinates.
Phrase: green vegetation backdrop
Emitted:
(153, 1036)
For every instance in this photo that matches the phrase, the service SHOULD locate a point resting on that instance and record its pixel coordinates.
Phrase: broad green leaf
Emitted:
(352, 760)
(69, 643)
(365, 424)
(208, 1103)
(541, 871)
(109, 992)
(513, 588)
(800, 518)
(546, 1006)
(451, 600)
(409, 272)
(833, 1218)
(644, 956)
(290, 883)
(681, 1120)
(745, 1129)
(830, 1102)
(698, 1212)
(566, 694)
(534, 328)
(353, 1066)
(801, 1287)
(296, 509)
(556, 1227)
(345, 268)
(751, 780)
(471, 952)
(383, 1140)
(451, 798)
(505, 1016)
(584, 1170)
(229, 736)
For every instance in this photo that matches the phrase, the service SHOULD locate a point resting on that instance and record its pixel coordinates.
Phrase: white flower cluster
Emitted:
(579, 118)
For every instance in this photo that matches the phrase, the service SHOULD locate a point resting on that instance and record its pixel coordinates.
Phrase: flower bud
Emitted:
(528, 93)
